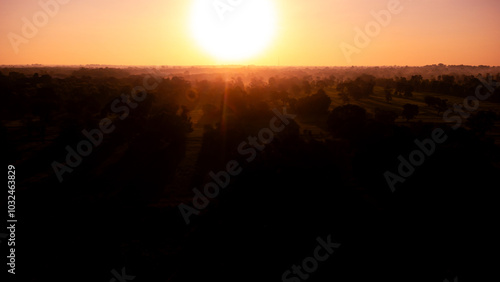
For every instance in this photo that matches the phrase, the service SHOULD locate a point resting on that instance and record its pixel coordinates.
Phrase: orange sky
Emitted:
(157, 32)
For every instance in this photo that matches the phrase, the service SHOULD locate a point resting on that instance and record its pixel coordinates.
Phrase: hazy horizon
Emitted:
(242, 65)
(269, 33)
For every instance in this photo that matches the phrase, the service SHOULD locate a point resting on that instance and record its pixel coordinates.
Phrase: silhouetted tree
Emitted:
(388, 94)
(408, 91)
(439, 104)
(314, 105)
(410, 111)
(306, 86)
(347, 121)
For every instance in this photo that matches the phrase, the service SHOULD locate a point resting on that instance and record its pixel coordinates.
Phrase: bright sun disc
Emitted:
(233, 29)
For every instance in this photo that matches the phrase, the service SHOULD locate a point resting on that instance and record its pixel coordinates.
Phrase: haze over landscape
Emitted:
(306, 33)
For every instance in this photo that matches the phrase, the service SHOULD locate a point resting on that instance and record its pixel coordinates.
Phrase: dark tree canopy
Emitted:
(410, 111)
(347, 121)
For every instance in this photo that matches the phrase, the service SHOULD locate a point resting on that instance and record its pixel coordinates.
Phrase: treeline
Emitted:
(50, 115)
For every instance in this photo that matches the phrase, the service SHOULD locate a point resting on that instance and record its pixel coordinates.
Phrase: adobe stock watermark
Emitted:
(310, 264)
(372, 29)
(224, 6)
(30, 28)
(427, 147)
(222, 178)
(120, 106)
(123, 277)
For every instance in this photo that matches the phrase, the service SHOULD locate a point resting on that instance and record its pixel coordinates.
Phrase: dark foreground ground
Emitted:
(312, 204)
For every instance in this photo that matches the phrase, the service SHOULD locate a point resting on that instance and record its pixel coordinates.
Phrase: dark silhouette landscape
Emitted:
(250, 140)
(107, 160)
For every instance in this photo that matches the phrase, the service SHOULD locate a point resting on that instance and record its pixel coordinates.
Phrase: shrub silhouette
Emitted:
(347, 121)
(410, 111)
(314, 105)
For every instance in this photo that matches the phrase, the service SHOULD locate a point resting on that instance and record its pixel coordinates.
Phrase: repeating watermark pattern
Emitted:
(222, 178)
(363, 38)
(310, 264)
(223, 7)
(121, 277)
(427, 147)
(120, 106)
(40, 19)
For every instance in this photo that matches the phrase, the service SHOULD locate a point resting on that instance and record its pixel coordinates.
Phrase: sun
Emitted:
(233, 30)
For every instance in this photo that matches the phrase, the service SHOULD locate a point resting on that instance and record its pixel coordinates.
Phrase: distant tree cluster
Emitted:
(439, 104)
(314, 105)
(361, 87)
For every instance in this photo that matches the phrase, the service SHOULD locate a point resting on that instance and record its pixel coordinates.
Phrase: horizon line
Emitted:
(237, 65)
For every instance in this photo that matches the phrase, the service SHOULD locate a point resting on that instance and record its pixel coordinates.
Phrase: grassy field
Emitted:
(427, 114)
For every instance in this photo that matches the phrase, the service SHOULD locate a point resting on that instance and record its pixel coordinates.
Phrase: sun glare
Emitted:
(233, 30)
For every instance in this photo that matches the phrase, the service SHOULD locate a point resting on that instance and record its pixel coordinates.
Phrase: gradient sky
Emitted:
(156, 32)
